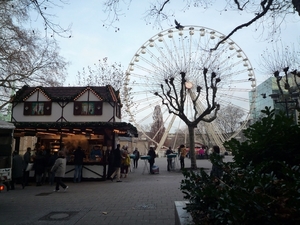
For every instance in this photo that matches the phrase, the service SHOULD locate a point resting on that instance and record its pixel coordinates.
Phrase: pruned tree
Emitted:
(175, 91)
(25, 57)
(102, 74)
(264, 12)
(283, 63)
(157, 127)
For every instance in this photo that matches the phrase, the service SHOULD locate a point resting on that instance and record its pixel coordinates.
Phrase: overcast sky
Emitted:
(91, 41)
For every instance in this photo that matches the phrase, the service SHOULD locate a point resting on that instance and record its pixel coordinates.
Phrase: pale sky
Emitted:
(91, 41)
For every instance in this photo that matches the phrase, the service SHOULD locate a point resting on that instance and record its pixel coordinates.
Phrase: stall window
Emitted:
(87, 108)
(37, 108)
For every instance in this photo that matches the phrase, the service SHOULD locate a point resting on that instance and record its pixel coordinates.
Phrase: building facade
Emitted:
(284, 102)
(64, 118)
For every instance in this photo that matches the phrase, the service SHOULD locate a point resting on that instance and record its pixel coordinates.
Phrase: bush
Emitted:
(261, 186)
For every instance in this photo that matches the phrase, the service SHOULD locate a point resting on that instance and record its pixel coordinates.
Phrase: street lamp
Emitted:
(286, 99)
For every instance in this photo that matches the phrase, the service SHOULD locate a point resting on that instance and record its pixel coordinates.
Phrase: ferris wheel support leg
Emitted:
(164, 137)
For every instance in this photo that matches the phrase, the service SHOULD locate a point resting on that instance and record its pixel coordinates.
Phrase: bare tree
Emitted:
(102, 74)
(264, 11)
(279, 57)
(230, 118)
(157, 127)
(25, 58)
(283, 63)
(174, 95)
(25, 10)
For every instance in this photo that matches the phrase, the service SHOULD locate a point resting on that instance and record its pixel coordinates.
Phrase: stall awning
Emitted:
(30, 128)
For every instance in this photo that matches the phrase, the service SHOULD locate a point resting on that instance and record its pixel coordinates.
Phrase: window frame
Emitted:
(81, 108)
(44, 108)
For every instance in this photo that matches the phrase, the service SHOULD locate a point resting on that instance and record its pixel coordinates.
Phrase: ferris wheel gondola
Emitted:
(188, 49)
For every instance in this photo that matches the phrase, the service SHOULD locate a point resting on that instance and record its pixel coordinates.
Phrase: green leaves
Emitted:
(261, 186)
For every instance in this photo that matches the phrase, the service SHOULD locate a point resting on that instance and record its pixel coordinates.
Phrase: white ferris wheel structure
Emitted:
(188, 50)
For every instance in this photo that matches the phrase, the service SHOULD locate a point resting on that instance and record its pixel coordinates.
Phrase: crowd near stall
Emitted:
(65, 118)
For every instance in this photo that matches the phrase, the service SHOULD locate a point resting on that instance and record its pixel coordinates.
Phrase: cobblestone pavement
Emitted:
(140, 199)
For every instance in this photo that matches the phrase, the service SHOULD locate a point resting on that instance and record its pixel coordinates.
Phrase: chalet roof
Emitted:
(105, 93)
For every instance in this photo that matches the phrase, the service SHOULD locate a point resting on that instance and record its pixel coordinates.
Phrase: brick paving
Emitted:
(139, 200)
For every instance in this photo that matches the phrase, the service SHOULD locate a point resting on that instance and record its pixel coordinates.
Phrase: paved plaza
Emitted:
(140, 199)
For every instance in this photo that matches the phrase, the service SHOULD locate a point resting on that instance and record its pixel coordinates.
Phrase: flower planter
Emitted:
(182, 217)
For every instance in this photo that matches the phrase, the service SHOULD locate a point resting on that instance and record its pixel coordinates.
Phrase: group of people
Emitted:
(119, 162)
(45, 166)
(182, 152)
(41, 163)
(53, 166)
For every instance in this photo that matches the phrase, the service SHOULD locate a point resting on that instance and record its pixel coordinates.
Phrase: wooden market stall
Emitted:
(63, 118)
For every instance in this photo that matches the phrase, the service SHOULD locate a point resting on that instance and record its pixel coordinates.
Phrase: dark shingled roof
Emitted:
(107, 93)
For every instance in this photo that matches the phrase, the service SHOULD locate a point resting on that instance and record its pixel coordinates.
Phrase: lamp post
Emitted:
(286, 99)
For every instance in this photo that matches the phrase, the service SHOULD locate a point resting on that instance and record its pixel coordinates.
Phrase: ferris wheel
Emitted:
(188, 50)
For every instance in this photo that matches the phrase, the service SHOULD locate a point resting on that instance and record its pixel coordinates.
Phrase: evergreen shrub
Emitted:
(260, 186)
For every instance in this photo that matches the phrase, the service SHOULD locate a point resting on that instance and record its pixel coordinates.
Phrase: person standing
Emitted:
(95, 153)
(39, 166)
(182, 156)
(17, 170)
(117, 154)
(169, 159)
(51, 163)
(78, 163)
(125, 163)
(26, 159)
(109, 157)
(59, 168)
(216, 170)
(136, 157)
(48, 167)
(152, 155)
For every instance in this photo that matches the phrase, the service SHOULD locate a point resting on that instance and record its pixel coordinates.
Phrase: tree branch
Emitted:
(258, 16)
(163, 6)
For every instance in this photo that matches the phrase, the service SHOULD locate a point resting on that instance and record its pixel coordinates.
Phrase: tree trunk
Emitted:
(192, 147)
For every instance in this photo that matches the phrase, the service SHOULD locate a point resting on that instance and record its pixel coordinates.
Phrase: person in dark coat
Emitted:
(50, 164)
(17, 170)
(136, 157)
(182, 156)
(78, 162)
(216, 170)
(117, 154)
(39, 166)
(152, 155)
(110, 161)
(169, 160)
(47, 173)
(26, 160)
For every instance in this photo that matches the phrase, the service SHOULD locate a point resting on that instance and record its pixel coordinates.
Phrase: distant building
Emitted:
(264, 93)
